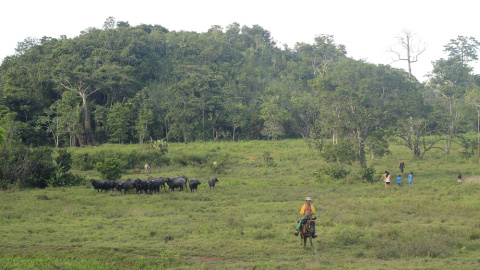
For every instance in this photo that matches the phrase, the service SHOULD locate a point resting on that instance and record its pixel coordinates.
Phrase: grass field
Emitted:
(247, 222)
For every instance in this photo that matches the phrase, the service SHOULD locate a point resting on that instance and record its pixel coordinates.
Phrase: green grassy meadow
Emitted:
(247, 222)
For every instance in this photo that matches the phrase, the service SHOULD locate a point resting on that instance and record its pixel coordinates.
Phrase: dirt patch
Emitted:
(474, 179)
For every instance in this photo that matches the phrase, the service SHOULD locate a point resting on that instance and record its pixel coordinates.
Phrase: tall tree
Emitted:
(63, 118)
(361, 100)
(322, 55)
(273, 116)
(452, 77)
(473, 98)
(465, 48)
(26, 44)
(144, 116)
(408, 49)
(118, 122)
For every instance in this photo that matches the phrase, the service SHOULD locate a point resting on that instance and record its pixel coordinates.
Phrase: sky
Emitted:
(368, 28)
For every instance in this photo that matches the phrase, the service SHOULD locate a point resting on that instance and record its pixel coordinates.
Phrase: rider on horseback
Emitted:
(307, 211)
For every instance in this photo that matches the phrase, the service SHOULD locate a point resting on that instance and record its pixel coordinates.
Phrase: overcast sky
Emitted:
(367, 28)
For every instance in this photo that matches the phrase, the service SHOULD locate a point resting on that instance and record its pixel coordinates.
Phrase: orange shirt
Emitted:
(302, 211)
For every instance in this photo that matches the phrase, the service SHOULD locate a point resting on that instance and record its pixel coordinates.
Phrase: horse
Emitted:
(147, 168)
(306, 231)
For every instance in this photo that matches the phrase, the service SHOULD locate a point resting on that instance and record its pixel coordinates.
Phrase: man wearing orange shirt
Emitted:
(307, 211)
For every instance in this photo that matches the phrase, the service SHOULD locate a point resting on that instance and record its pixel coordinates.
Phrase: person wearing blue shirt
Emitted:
(410, 179)
(399, 180)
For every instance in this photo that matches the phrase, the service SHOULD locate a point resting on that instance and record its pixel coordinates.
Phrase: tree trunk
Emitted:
(86, 120)
(478, 132)
(362, 157)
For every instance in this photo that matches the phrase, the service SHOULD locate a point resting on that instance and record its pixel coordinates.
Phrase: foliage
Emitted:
(25, 167)
(160, 145)
(331, 172)
(83, 161)
(62, 177)
(3, 136)
(345, 151)
(64, 157)
(131, 159)
(125, 84)
(367, 174)
(109, 169)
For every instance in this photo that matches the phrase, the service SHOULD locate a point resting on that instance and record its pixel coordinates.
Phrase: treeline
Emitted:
(130, 84)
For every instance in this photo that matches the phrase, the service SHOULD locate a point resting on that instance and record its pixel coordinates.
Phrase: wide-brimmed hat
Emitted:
(308, 199)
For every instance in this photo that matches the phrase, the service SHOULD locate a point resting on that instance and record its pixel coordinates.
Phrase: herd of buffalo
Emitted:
(151, 185)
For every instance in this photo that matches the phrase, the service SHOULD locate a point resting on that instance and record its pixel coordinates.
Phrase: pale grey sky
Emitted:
(367, 28)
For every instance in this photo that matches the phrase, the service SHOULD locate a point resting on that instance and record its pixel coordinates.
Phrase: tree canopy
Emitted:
(126, 84)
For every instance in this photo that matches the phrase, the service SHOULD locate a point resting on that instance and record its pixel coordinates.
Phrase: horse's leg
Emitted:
(305, 242)
(311, 245)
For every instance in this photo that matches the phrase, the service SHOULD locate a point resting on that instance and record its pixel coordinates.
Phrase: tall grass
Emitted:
(248, 220)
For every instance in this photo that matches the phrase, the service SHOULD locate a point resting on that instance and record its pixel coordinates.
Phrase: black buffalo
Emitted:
(192, 184)
(212, 181)
(156, 183)
(125, 185)
(103, 185)
(97, 184)
(141, 185)
(177, 182)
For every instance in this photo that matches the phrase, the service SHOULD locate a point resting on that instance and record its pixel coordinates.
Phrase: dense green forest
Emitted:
(138, 84)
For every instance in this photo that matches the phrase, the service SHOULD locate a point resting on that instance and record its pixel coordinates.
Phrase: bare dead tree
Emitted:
(408, 48)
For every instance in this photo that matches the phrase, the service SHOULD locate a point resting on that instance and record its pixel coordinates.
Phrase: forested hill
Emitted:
(127, 84)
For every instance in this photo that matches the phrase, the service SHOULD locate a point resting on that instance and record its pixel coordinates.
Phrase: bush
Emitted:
(127, 160)
(109, 169)
(367, 174)
(343, 152)
(189, 159)
(61, 177)
(25, 167)
(83, 162)
(66, 180)
(332, 172)
(65, 159)
(160, 145)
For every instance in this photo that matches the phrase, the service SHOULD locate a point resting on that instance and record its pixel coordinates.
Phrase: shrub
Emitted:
(61, 177)
(83, 162)
(160, 145)
(343, 152)
(127, 160)
(65, 159)
(25, 167)
(109, 169)
(332, 172)
(367, 174)
(189, 159)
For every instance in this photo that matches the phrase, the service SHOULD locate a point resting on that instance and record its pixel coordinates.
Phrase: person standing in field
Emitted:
(399, 180)
(387, 180)
(401, 166)
(307, 210)
(459, 178)
(384, 176)
(410, 179)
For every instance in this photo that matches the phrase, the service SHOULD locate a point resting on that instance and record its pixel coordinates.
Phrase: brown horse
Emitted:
(306, 231)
